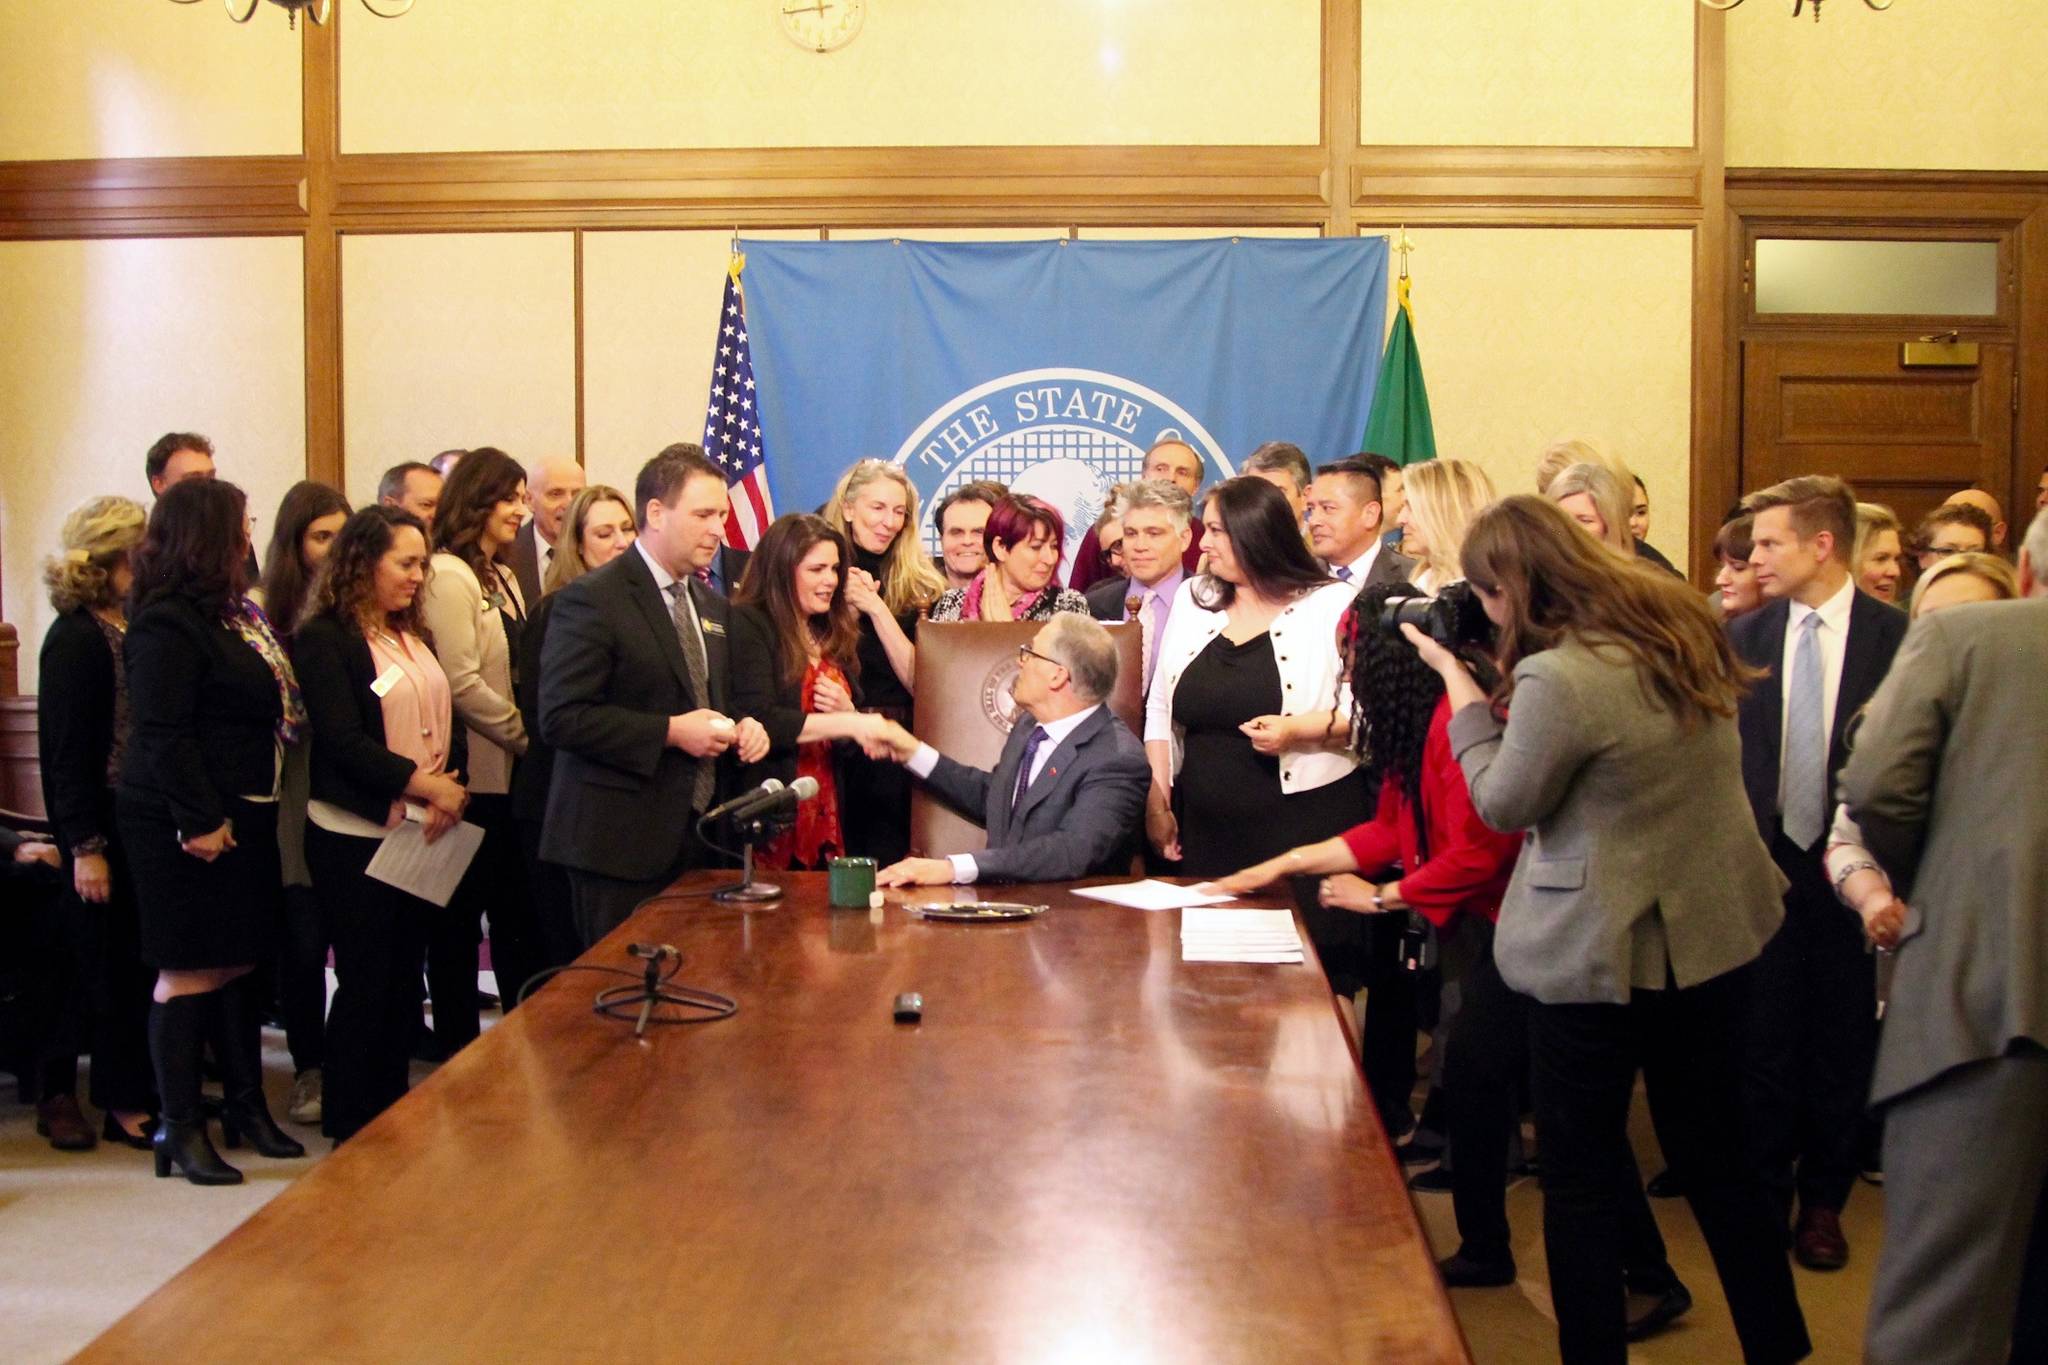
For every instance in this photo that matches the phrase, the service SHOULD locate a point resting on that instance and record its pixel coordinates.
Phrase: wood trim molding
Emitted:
(1602, 180)
(1716, 401)
(1343, 93)
(152, 197)
(320, 81)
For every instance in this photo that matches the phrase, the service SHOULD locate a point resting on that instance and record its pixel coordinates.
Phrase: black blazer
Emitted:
(536, 767)
(758, 691)
(611, 674)
(1107, 599)
(75, 729)
(728, 569)
(352, 767)
(203, 711)
(1875, 630)
(522, 556)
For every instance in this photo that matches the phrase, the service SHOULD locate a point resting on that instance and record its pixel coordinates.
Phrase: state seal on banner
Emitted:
(1066, 436)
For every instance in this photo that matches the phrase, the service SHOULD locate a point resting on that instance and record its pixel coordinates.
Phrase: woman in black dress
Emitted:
(213, 701)
(82, 729)
(892, 583)
(1246, 647)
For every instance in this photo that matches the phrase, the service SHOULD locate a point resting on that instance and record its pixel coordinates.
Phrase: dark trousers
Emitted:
(1486, 1074)
(548, 883)
(121, 985)
(1387, 1033)
(601, 904)
(378, 931)
(1812, 1038)
(1687, 1045)
(496, 887)
(302, 978)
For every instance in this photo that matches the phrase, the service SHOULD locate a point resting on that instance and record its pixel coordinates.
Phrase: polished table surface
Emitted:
(1088, 1150)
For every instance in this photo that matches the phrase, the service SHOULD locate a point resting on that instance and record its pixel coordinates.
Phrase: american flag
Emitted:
(732, 421)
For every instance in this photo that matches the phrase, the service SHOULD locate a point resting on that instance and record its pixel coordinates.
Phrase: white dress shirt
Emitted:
(1362, 565)
(662, 579)
(1834, 645)
(921, 763)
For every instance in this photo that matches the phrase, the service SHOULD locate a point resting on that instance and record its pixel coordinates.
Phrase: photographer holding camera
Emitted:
(1642, 893)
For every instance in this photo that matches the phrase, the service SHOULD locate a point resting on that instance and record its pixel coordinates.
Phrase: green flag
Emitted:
(1399, 427)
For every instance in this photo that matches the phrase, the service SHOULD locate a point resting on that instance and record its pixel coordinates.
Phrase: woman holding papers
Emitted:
(389, 751)
(213, 702)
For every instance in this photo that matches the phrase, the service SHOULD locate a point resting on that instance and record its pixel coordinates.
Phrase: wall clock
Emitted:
(821, 25)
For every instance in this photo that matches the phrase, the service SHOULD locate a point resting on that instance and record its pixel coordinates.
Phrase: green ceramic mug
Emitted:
(853, 881)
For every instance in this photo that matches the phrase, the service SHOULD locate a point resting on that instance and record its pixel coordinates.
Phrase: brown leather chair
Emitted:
(965, 711)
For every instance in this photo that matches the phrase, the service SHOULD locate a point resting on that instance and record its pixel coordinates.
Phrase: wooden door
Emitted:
(1903, 437)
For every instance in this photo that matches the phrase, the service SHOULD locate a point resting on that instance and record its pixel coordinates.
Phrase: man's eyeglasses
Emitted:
(1027, 652)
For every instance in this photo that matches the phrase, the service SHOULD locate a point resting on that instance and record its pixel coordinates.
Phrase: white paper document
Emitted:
(1151, 894)
(430, 871)
(1238, 936)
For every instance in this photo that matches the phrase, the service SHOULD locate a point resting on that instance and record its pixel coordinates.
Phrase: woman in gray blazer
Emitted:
(1642, 892)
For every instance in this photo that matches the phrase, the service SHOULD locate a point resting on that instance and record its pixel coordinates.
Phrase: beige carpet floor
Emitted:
(86, 1237)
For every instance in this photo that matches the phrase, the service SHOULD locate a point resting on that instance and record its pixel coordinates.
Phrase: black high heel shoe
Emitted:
(247, 1113)
(186, 1147)
(112, 1131)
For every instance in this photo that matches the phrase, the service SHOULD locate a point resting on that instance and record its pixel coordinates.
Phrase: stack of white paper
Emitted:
(1151, 894)
(1238, 936)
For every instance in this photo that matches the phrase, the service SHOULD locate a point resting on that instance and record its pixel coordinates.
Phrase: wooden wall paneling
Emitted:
(576, 298)
(2030, 426)
(1342, 94)
(320, 54)
(1714, 407)
(152, 197)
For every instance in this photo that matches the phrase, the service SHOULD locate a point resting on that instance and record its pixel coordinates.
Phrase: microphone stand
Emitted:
(747, 891)
(619, 998)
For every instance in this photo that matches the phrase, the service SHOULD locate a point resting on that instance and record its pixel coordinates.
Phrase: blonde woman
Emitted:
(890, 583)
(1559, 456)
(81, 731)
(1597, 499)
(1443, 498)
(1880, 553)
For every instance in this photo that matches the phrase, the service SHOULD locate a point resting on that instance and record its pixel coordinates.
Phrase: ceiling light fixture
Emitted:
(1797, 6)
(319, 10)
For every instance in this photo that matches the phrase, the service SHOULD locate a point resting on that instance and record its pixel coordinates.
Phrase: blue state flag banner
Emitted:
(1052, 366)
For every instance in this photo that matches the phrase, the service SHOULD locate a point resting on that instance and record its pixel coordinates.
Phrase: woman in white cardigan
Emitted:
(471, 603)
(1251, 642)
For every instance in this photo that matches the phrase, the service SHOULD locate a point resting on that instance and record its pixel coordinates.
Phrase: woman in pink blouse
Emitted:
(389, 751)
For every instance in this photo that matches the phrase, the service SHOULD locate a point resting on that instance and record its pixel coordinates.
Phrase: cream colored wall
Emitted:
(107, 346)
(1953, 85)
(1530, 335)
(456, 339)
(655, 73)
(144, 78)
(1483, 73)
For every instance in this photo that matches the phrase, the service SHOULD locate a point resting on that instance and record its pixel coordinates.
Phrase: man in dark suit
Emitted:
(726, 569)
(1824, 647)
(1346, 525)
(551, 485)
(1067, 795)
(634, 682)
(1157, 518)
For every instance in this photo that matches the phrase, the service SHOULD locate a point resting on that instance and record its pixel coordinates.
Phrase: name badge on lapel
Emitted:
(711, 627)
(386, 680)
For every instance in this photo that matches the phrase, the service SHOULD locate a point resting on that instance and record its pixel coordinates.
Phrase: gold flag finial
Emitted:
(1403, 244)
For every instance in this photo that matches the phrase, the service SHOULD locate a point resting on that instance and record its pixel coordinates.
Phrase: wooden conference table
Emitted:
(1087, 1150)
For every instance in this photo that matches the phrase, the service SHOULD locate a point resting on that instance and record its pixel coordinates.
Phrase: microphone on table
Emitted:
(767, 789)
(749, 813)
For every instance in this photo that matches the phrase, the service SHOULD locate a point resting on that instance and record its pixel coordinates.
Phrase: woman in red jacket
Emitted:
(1427, 850)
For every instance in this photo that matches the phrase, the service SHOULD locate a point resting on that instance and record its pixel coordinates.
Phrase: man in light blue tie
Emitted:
(1823, 647)
(1067, 796)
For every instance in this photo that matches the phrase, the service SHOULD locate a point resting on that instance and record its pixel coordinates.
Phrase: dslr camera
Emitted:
(1453, 618)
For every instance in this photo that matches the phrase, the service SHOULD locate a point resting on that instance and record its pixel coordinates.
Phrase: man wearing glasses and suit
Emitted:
(1067, 796)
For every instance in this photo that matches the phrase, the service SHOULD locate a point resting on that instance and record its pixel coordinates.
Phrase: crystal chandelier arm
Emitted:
(245, 16)
(391, 9)
(1874, 5)
(1721, 4)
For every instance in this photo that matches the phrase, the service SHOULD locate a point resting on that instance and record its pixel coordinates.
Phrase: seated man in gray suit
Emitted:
(1066, 797)
(1946, 783)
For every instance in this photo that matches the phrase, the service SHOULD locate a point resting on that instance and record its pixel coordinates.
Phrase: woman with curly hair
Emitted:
(388, 741)
(890, 582)
(213, 702)
(82, 732)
